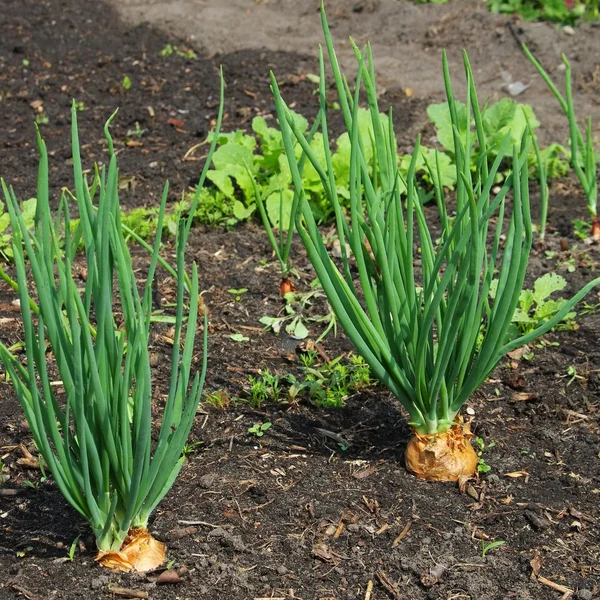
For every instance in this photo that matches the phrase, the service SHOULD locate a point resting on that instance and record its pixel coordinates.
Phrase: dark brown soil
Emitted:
(290, 515)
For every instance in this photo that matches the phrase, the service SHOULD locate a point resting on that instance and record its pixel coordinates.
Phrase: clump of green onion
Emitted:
(416, 303)
(583, 157)
(97, 436)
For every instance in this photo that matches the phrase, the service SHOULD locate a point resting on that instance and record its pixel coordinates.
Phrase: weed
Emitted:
(482, 466)
(295, 317)
(126, 83)
(258, 429)
(239, 337)
(169, 50)
(28, 208)
(238, 293)
(330, 384)
(581, 229)
(485, 548)
(73, 548)
(43, 478)
(536, 307)
(263, 388)
(137, 132)
(190, 448)
(218, 399)
(559, 11)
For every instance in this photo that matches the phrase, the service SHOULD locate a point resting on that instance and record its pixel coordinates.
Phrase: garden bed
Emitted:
(299, 513)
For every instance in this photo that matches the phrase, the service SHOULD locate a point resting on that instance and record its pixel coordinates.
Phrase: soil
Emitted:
(292, 514)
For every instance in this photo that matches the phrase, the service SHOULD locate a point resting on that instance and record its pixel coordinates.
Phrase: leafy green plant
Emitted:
(237, 293)
(259, 429)
(583, 157)
(27, 209)
(498, 120)
(168, 50)
(239, 337)
(97, 437)
(219, 399)
(535, 307)
(482, 466)
(333, 382)
(295, 317)
(263, 388)
(560, 11)
(419, 338)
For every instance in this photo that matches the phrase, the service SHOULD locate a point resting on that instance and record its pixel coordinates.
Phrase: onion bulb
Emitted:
(442, 456)
(140, 552)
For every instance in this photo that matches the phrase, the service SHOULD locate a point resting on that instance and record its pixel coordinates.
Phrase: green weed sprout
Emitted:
(96, 437)
(430, 334)
(583, 158)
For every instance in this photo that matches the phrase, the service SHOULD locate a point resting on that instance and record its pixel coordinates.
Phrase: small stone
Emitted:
(584, 594)
(568, 30)
(281, 570)
(493, 479)
(206, 481)
(218, 532)
(352, 527)
(516, 88)
(98, 582)
(447, 535)
(537, 522)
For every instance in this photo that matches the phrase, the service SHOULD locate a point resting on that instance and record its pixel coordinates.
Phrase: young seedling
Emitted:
(295, 316)
(482, 466)
(259, 429)
(237, 293)
(73, 549)
(485, 548)
(420, 331)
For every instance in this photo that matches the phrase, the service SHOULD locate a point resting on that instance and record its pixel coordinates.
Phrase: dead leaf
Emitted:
(523, 396)
(536, 565)
(365, 472)
(178, 123)
(322, 552)
(168, 577)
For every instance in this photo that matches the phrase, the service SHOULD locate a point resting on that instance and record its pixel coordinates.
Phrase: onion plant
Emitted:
(281, 241)
(412, 290)
(583, 157)
(96, 434)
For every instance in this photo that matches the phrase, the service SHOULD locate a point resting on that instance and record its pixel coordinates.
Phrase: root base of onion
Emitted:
(443, 456)
(140, 552)
(595, 229)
